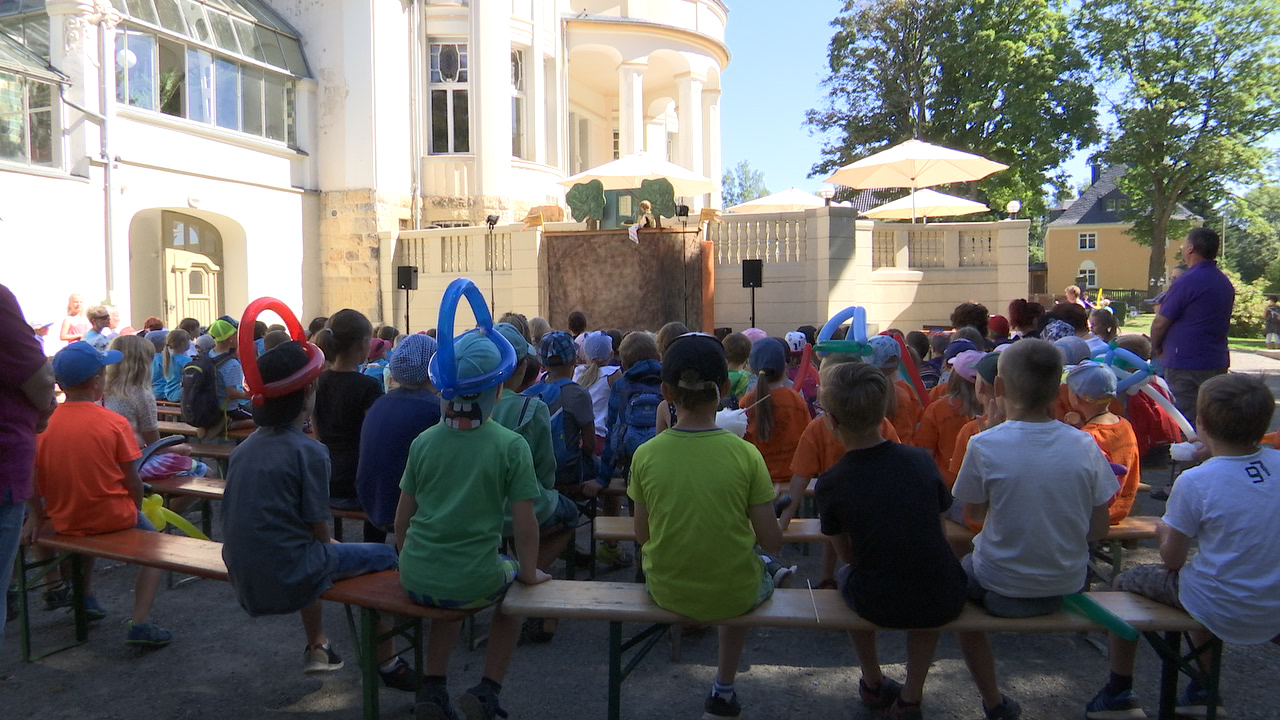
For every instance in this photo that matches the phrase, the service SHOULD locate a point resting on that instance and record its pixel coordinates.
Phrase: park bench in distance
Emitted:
(375, 594)
(618, 603)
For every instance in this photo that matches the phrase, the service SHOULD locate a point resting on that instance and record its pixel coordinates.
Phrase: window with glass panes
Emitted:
(26, 120)
(450, 98)
(1088, 241)
(519, 146)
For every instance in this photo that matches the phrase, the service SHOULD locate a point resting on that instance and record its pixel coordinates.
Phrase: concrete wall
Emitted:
(1121, 262)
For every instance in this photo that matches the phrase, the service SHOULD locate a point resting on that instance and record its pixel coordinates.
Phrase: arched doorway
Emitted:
(185, 263)
(192, 268)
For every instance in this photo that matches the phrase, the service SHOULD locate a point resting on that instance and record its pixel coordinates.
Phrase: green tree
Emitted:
(1197, 84)
(1251, 242)
(741, 183)
(1000, 78)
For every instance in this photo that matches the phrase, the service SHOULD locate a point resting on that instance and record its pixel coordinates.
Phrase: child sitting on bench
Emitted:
(1232, 585)
(461, 475)
(900, 571)
(86, 482)
(703, 500)
(275, 520)
(1091, 388)
(1040, 509)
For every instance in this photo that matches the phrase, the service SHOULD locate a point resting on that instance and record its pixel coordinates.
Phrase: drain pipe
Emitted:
(108, 181)
(415, 116)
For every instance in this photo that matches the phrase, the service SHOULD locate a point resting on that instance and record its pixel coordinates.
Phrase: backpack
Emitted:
(637, 417)
(200, 407)
(568, 455)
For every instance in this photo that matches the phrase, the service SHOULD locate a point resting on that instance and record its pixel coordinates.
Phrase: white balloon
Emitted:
(1174, 412)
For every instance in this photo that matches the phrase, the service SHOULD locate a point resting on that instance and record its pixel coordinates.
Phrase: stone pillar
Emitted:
(356, 229)
(536, 94)
(689, 112)
(631, 126)
(490, 98)
(711, 145)
(73, 49)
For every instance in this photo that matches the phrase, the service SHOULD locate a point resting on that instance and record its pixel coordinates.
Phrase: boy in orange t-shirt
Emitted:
(87, 483)
(1092, 388)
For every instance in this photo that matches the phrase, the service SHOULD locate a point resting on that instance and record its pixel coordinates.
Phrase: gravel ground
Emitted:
(223, 664)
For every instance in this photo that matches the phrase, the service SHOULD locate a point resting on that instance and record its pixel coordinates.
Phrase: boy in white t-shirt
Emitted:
(1041, 508)
(1232, 585)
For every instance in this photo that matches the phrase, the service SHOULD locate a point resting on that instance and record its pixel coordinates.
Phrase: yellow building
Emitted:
(1089, 245)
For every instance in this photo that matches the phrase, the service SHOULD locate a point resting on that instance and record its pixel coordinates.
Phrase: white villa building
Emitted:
(183, 157)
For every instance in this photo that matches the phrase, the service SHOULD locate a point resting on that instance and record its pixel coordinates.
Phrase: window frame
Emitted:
(27, 114)
(1087, 241)
(520, 149)
(459, 87)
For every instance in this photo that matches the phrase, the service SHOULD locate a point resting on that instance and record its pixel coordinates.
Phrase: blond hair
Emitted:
(134, 369)
(1032, 372)
(177, 341)
(637, 346)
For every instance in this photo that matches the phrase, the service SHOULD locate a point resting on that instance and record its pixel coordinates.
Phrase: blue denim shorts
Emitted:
(144, 523)
(348, 560)
(510, 568)
(565, 516)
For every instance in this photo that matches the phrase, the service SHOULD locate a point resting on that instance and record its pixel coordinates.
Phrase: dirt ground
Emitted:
(223, 664)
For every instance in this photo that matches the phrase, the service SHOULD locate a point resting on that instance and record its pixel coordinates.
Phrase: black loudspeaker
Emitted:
(752, 273)
(406, 277)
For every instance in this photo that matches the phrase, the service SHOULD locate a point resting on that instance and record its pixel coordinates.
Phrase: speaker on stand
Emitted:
(753, 277)
(406, 280)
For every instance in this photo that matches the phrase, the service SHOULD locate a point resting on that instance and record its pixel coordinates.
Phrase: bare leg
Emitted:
(313, 625)
(921, 645)
(550, 547)
(386, 648)
(976, 648)
(504, 632)
(1124, 655)
(440, 642)
(145, 593)
(732, 641)
(864, 645)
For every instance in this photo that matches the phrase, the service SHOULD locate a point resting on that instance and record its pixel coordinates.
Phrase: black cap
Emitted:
(699, 352)
(275, 364)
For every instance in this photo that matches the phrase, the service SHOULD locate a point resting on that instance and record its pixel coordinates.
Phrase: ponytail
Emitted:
(175, 340)
(964, 395)
(590, 374)
(764, 410)
(343, 331)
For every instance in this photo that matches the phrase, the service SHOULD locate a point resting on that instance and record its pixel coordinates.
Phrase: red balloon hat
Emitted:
(258, 390)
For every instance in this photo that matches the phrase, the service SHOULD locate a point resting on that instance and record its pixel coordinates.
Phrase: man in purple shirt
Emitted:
(26, 402)
(1189, 335)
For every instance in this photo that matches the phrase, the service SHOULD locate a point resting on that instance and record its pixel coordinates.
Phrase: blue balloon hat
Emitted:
(855, 342)
(444, 364)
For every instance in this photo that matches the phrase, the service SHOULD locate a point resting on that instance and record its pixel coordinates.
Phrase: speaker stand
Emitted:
(406, 312)
(753, 307)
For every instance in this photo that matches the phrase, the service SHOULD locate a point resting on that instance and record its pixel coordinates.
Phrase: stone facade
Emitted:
(350, 248)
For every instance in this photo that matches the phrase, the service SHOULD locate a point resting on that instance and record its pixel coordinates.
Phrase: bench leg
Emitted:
(77, 595)
(615, 671)
(337, 528)
(1169, 675)
(1173, 662)
(1117, 558)
(24, 608)
(369, 662)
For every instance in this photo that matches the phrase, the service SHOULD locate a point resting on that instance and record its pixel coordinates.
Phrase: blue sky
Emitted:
(779, 59)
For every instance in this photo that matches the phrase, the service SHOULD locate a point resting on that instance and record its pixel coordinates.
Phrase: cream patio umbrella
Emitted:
(914, 164)
(785, 201)
(926, 203)
(629, 171)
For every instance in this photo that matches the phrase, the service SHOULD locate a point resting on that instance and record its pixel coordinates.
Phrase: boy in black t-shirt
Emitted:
(882, 503)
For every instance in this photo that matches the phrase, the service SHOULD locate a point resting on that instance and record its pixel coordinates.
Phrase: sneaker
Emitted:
(432, 703)
(898, 711)
(58, 596)
(147, 635)
(1008, 709)
(1195, 705)
(92, 610)
(480, 703)
(400, 677)
(883, 696)
(782, 576)
(1105, 706)
(717, 707)
(321, 659)
(612, 556)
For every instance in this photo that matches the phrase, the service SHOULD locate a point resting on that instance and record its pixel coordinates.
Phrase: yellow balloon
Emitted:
(160, 516)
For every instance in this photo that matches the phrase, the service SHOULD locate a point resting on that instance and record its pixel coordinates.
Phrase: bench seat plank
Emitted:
(793, 608)
(188, 486)
(382, 591)
(212, 452)
(178, 553)
(611, 529)
(1134, 527)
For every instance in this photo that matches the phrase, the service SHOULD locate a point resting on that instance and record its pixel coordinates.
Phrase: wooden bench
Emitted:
(1127, 531)
(169, 412)
(618, 603)
(622, 529)
(375, 594)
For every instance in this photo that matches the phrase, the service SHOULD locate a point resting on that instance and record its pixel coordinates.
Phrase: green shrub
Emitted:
(1121, 312)
(1247, 316)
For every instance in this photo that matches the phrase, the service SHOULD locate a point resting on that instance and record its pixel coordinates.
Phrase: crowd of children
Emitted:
(582, 411)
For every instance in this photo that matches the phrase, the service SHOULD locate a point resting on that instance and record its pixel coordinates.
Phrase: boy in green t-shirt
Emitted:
(703, 500)
(461, 475)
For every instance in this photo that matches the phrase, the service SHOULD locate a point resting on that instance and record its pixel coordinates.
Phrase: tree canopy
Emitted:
(740, 184)
(1000, 78)
(1197, 84)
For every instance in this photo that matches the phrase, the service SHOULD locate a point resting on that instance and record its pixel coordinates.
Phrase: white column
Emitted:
(73, 49)
(490, 97)
(712, 167)
(536, 99)
(631, 107)
(689, 112)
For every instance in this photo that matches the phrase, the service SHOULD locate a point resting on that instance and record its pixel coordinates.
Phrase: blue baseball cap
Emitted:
(956, 347)
(768, 354)
(557, 349)
(598, 346)
(475, 354)
(1092, 381)
(884, 350)
(79, 361)
(513, 336)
